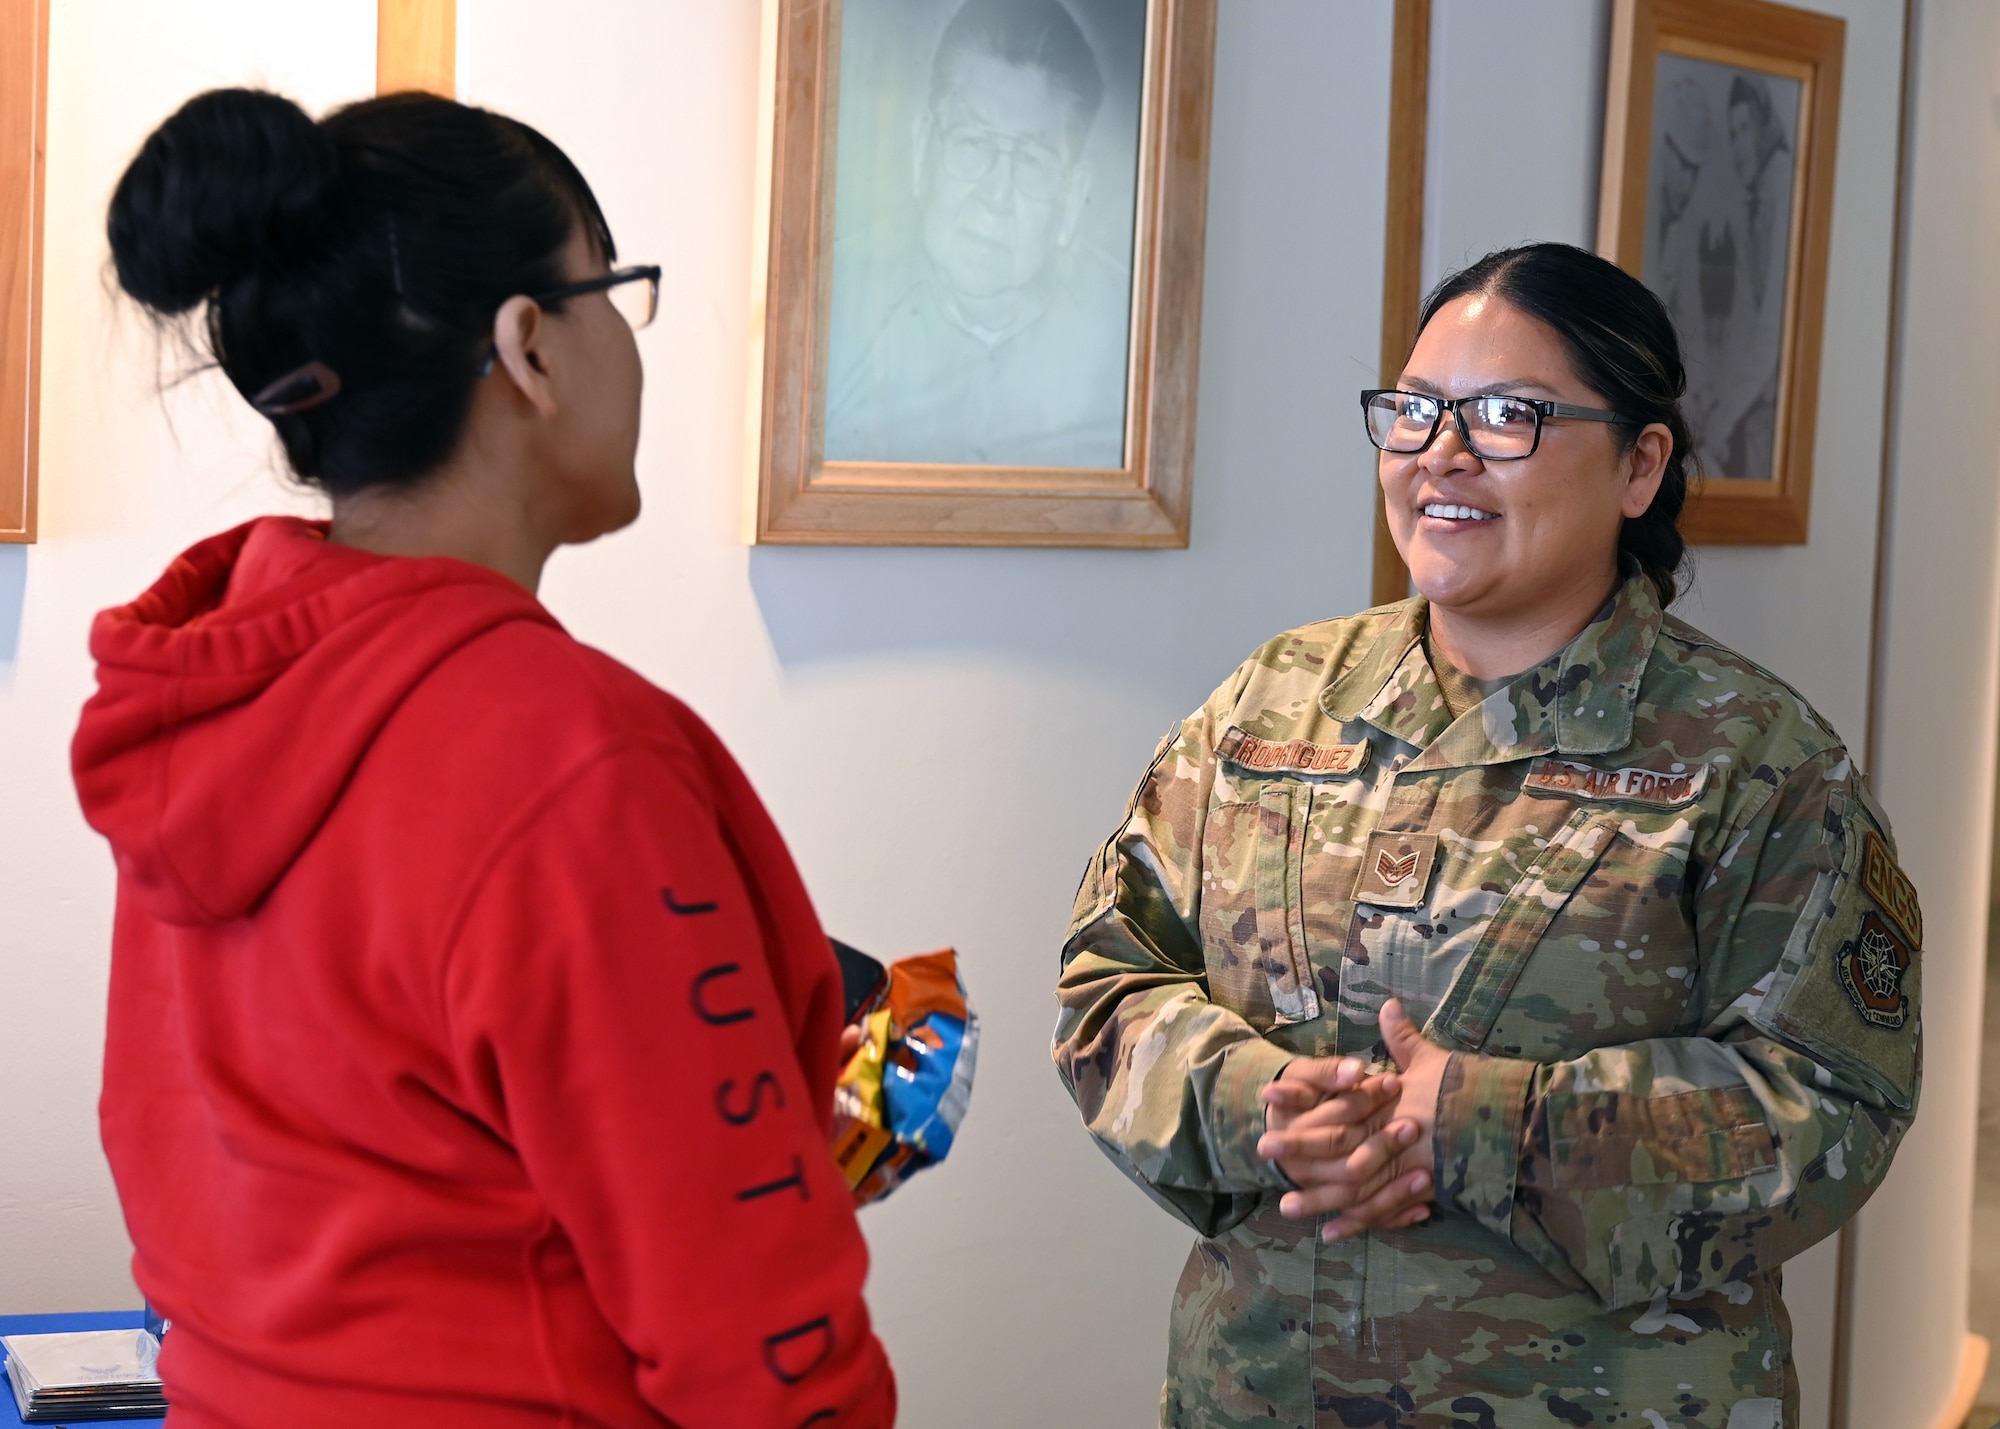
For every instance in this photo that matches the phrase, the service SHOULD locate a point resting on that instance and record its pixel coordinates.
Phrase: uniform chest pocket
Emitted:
(1252, 930)
(1590, 948)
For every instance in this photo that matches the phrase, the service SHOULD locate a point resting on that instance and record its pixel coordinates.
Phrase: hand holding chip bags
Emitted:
(902, 1095)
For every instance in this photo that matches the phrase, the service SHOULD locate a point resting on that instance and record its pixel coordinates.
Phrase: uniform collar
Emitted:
(1578, 701)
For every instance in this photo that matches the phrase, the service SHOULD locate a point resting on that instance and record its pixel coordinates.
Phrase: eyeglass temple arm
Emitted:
(1584, 414)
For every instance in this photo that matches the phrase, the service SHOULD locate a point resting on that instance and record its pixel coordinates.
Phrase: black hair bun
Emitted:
(237, 181)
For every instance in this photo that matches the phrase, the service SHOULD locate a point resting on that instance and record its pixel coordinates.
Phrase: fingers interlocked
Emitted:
(1333, 1130)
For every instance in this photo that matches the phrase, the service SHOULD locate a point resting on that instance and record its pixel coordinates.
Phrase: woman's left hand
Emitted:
(1422, 1063)
(1402, 1198)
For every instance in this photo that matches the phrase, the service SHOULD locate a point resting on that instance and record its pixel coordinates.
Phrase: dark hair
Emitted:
(1623, 346)
(378, 242)
(1754, 94)
(1743, 90)
(1041, 33)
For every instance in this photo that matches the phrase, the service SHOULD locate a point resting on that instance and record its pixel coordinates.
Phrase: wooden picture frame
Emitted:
(1402, 247)
(890, 488)
(1721, 121)
(416, 46)
(24, 72)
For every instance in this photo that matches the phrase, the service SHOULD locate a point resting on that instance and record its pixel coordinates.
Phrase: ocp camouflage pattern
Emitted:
(1633, 878)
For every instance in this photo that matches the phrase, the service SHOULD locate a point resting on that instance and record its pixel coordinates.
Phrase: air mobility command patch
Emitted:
(1295, 756)
(1872, 964)
(1886, 884)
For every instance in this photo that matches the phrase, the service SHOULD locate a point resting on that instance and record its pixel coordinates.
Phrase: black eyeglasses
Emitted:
(1493, 427)
(635, 292)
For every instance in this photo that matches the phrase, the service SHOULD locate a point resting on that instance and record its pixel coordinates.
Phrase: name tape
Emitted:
(1296, 756)
(1635, 786)
(1890, 887)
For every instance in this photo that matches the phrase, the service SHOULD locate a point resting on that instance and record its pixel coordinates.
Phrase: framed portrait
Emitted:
(24, 68)
(1720, 126)
(981, 272)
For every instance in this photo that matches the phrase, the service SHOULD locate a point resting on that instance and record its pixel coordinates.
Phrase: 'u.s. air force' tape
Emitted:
(1665, 789)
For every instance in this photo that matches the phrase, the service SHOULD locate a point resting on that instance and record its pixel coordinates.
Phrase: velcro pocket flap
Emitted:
(1848, 985)
(1465, 1017)
(1598, 1140)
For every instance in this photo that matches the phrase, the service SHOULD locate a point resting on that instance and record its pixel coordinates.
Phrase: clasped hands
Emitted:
(1358, 1146)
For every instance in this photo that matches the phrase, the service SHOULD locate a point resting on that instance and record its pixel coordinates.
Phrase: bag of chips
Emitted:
(902, 1095)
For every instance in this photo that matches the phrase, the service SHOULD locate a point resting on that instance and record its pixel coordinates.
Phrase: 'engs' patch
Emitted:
(1296, 756)
(1888, 886)
(1633, 786)
(1872, 965)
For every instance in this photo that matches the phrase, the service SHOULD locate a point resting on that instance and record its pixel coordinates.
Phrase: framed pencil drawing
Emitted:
(24, 68)
(980, 280)
(1721, 120)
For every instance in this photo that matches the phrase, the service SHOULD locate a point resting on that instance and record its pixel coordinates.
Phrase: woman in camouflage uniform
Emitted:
(1547, 957)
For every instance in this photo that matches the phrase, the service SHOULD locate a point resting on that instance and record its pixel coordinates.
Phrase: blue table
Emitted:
(10, 1417)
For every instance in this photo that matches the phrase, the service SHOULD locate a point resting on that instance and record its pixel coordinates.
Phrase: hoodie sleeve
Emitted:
(614, 1004)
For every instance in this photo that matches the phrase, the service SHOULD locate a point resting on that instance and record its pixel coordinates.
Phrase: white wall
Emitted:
(1535, 85)
(1531, 89)
(943, 735)
(1935, 701)
(126, 481)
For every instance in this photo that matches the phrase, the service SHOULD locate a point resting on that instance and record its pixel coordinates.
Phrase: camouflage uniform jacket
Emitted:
(1645, 880)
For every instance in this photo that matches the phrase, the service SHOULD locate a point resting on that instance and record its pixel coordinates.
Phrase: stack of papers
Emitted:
(87, 1374)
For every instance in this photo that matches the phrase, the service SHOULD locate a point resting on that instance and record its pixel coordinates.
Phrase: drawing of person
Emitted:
(1717, 249)
(985, 333)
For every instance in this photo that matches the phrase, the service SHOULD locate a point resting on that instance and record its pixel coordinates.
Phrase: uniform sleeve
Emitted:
(1167, 1080)
(1673, 1167)
(613, 1007)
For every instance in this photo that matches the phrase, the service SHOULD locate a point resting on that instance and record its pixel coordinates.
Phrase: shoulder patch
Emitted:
(1892, 891)
(1872, 964)
(1295, 756)
(1662, 788)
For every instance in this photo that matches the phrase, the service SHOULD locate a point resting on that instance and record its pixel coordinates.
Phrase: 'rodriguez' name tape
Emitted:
(1296, 756)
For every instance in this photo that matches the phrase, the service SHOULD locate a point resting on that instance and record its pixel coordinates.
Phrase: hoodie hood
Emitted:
(236, 697)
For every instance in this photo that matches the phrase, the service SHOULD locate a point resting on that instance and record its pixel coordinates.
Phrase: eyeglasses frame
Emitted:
(1009, 146)
(649, 272)
(1541, 406)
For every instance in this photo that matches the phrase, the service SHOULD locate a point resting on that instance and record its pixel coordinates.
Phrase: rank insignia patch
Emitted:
(1396, 869)
(1872, 965)
(1890, 888)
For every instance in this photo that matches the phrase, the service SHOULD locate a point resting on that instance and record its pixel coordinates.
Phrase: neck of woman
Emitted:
(1497, 645)
(469, 511)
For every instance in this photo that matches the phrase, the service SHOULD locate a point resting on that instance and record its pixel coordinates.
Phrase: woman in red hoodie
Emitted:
(472, 1040)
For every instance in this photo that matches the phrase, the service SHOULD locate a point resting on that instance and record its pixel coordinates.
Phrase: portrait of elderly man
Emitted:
(975, 321)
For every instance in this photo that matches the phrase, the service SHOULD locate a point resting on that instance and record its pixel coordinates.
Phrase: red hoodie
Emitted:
(472, 1039)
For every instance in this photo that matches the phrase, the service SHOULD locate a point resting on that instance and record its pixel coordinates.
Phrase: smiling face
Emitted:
(1520, 544)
